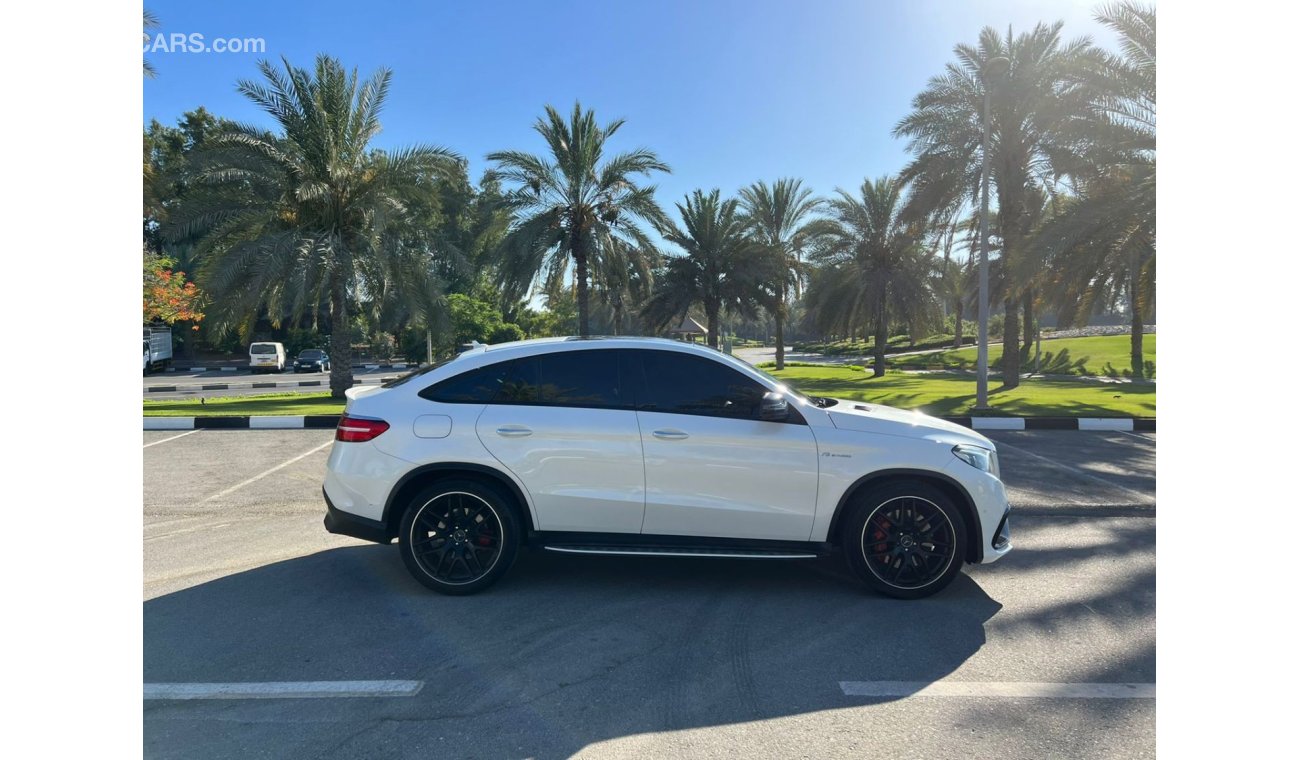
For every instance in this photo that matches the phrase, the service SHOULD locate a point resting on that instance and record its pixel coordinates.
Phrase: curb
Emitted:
(239, 386)
(1121, 424)
(245, 367)
(319, 421)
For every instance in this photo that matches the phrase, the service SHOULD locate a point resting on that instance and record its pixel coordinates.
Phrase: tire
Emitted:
(912, 563)
(474, 517)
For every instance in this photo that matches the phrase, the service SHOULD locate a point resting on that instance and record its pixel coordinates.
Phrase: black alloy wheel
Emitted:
(458, 537)
(906, 540)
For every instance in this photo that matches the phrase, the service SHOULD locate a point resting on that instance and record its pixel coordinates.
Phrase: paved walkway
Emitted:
(758, 355)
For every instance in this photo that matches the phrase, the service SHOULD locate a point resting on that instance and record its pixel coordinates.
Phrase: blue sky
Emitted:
(727, 92)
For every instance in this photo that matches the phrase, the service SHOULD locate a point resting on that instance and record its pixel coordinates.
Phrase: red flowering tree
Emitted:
(167, 296)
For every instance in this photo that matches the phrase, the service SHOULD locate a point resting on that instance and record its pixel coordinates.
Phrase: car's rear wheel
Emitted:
(905, 539)
(459, 536)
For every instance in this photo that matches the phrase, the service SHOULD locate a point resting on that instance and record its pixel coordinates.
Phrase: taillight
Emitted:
(359, 429)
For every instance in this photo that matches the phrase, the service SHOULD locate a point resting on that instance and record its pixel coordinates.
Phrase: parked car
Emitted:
(311, 360)
(652, 447)
(267, 357)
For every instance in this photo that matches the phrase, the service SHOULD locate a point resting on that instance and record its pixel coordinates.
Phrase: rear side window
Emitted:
(477, 386)
(678, 383)
(588, 379)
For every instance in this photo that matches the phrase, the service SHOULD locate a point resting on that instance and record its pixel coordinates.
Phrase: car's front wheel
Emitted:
(459, 536)
(905, 539)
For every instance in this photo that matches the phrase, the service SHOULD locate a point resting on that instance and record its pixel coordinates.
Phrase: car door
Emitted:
(712, 468)
(564, 424)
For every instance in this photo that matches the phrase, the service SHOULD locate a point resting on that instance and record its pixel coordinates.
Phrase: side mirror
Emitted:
(774, 407)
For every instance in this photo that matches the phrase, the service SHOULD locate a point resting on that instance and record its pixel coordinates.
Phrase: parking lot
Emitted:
(631, 657)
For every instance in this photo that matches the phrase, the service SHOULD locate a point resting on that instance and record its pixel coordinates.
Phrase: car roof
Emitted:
(534, 346)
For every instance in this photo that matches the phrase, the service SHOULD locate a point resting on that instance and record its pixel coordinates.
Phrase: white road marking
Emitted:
(1139, 437)
(1026, 689)
(1142, 497)
(187, 530)
(276, 468)
(165, 440)
(282, 690)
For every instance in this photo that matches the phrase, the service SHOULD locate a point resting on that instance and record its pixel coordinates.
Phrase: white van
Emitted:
(267, 357)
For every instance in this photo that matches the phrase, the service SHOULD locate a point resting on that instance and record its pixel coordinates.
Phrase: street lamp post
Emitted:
(991, 67)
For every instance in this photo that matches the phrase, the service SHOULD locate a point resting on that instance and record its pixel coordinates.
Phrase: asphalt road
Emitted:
(189, 385)
(619, 657)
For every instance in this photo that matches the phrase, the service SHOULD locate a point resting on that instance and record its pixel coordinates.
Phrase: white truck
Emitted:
(157, 347)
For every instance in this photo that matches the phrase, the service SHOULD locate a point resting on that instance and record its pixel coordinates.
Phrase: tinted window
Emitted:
(569, 378)
(263, 348)
(312, 353)
(478, 386)
(678, 383)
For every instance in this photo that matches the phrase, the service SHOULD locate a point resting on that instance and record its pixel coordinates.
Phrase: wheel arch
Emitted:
(974, 534)
(426, 475)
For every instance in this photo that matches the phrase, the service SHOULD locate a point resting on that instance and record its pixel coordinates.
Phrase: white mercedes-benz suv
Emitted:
(642, 446)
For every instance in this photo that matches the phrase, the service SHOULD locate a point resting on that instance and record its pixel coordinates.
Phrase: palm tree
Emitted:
(780, 219)
(956, 287)
(721, 271)
(313, 214)
(876, 267)
(1103, 243)
(624, 284)
(1030, 103)
(573, 207)
(150, 23)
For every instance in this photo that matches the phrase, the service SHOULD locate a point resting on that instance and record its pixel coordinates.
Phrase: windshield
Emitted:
(263, 348)
(312, 353)
(820, 401)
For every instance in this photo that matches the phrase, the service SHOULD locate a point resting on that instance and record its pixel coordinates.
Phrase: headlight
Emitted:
(979, 458)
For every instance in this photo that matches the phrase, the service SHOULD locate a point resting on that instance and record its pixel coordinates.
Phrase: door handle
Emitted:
(670, 435)
(514, 431)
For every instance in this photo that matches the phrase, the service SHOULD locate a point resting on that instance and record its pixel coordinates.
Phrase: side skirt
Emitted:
(635, 544)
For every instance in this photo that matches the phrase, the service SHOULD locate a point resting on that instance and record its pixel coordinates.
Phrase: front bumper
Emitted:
(347, 524)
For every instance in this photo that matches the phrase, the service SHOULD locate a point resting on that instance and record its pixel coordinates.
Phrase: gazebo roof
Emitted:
(689, 325)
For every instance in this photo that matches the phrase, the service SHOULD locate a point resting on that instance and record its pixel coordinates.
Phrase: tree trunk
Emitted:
(584, 326)
(959, 310)
(780, 339)
(881, 340)
(1011, 345)
(1027, 303)
(1135, 327)
(780, 328)
(340, 341)
(711, 317)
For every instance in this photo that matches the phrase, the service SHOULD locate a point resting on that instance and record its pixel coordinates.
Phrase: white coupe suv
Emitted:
(642, 446)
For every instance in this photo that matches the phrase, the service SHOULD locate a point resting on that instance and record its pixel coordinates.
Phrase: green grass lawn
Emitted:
(1099, 355)
(955, 394)
(247, 406)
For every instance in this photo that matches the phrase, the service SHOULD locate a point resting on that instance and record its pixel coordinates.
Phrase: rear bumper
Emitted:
(347, 524)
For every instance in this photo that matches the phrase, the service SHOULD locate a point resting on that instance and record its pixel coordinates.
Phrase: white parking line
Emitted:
(1025, 689)
(258, 477)
(282, 690)
(1142, 497)
(1137, 436)
(165, 440)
